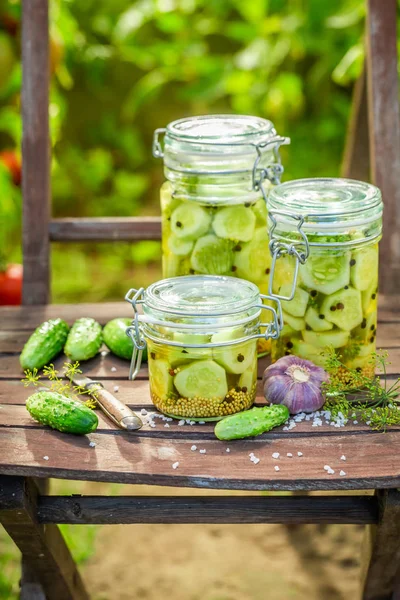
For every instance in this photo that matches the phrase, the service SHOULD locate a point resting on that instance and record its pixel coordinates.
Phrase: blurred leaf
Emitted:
(350, 66)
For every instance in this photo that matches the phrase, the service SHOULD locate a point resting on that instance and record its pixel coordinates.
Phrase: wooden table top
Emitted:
(147, 456)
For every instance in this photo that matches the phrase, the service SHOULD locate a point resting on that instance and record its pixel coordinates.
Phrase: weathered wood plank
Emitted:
(105, 229)
(42, 546)
(28, 318)
(372, 461)
(356, 164)
(381, 551)
(384, 130)
(99, 510)
(35, 151)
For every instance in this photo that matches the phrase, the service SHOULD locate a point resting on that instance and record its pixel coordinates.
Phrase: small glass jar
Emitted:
(324, 236)
(201, 334)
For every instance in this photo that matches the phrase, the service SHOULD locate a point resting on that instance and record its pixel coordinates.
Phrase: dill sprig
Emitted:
(371, 400)
(55, 383)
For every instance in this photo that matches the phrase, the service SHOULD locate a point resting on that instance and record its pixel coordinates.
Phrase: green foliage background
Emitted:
(128, 67)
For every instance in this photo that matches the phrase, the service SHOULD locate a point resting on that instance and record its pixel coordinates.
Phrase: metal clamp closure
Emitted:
(157, 148)
(272, 328)
(273, 171)
(134, 332)
(300, 250)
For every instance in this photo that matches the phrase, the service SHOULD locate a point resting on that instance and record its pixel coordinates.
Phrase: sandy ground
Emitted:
(222, 562)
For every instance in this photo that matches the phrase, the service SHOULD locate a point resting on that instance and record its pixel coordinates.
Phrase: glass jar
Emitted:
(324, 236)
(201, 334)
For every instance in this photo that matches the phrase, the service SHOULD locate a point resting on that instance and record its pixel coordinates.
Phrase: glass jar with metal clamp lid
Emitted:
(324, 236)
(201, 334)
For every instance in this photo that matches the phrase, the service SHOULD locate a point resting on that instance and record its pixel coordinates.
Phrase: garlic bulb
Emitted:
(296, 383)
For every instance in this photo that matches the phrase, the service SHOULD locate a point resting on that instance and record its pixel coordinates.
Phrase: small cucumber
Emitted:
(84, 340)
(251, 422)
(116, 340)
(44, 344)
(59, 412)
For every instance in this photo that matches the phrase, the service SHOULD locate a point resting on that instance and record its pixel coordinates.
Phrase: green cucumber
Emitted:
(298, 305)
(62, 413)
(116, 340)
(212, 255)
(343, 308)
(45, 343)
(235, 223)
(190, 220)
(363, 266)
(326, 273)
(84, 339)
(251, 422)
(316, 321)
(202, 379)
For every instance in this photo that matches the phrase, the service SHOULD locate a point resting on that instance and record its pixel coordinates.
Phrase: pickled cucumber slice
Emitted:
(326, 273)
(190, 220)
(317, 321)
(343, 308)
(284, 273)
(367, 329)
(308, 351)
(247, 380)
(167, 200)
(337, 338)
(370, 298)
(287, 330)
(252, 261)
(296, 323)
(160, 377)
(180, 246)
(297, 306)
(363, 265)
(235, 223)
(260, 211)
(235, 358)
(212, 255)
(202, 379)
(191, 338)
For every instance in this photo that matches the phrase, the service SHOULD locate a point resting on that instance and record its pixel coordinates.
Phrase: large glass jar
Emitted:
(324, 234)
(201, 334)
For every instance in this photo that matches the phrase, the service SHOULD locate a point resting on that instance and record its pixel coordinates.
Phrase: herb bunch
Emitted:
(66, 387)
(372, 400)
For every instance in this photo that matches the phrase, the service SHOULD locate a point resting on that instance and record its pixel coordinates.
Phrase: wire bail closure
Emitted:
(134, 332)
(300, 250)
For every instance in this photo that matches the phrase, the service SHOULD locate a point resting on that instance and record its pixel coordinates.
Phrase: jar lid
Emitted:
(201, 296)
(327, 203)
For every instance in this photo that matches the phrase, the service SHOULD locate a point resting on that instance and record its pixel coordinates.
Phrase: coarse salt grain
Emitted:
(46, 457)
(276, 468)
(193, 448)
(289, 454)
(256, 461)
(228, 450)
(331, 471)
(113, 369)
(175, 465)
(166, 425)
(343, 457)
(181, 422)
(116, 388)
(299, 454)
(202, 451)
(276, 455)
(92, 444)
(342, 473)
(327, 467)
(143, 411)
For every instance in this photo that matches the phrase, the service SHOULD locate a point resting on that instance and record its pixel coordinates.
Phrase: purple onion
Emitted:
(296, 383)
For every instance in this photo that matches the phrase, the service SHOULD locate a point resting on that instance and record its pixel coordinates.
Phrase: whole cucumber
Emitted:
(251, 422)
(84, 340)
(116, 340)
(44, 344)
(62, 413)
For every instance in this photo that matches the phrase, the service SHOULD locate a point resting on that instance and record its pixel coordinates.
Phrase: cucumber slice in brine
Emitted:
(160, 377)
(179, 246)
(167, 200)
(364, 267)
(260, 211)
(202, 379)
(297, 306)
(326, 273)
(252, 261)
(235, 223)
(212, 255)
(308, 351)
(370, 299)
(337, 338)
(343, 308)
(367, 329)
(296, 323)
(190, 220)
(317, 321)
(248, 379)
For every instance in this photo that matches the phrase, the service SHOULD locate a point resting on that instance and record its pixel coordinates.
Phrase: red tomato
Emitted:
(12, 161)
(11, 285)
